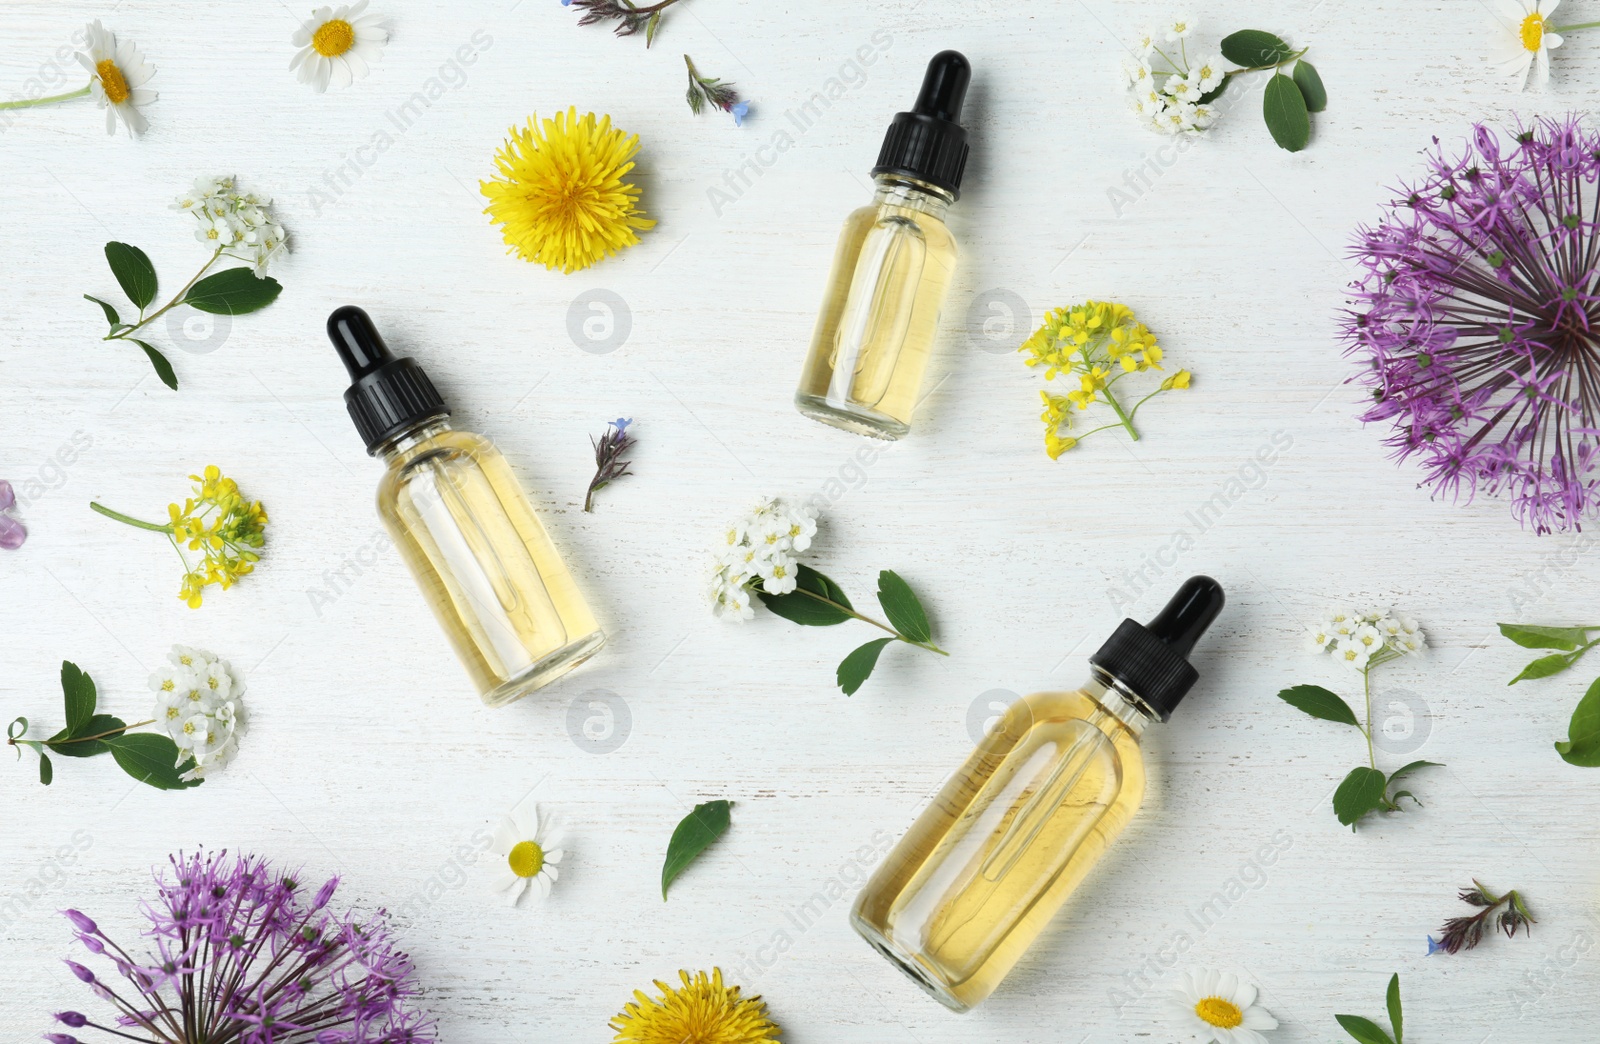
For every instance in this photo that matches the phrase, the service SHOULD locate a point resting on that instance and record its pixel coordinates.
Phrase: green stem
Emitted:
(1570, 28)
(46, 101)
(867, 619)
(1127, 421)
(1366, 686)
(146, 320)
(103, 735)
(127, 520)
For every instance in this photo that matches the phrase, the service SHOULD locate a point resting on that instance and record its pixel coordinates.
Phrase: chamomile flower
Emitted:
(1217, 1008)
(117, 77)
(336, 45)
(1527, 43)
(527, 862)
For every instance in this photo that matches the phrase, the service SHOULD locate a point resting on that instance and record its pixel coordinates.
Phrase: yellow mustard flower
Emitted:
(559, 198)
(1100, 343)
(218, 522)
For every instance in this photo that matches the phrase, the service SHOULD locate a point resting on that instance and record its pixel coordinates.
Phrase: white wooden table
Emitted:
(371, 757)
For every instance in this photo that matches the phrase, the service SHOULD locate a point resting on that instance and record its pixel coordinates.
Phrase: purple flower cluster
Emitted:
(241, 956)
(1478, 311)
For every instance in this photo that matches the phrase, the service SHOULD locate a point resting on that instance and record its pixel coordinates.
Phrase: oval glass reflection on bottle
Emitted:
(1019, 826)
(463, 526)
(892, 268)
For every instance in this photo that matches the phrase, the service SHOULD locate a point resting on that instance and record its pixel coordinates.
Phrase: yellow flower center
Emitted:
(116, 85)
(1532, 31)
(526, 858)
(333, 38)
(1214, 1011)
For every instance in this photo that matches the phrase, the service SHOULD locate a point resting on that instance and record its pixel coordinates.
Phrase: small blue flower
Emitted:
(740, 111)
(566, 3)
(1433, 947)
(621, 424)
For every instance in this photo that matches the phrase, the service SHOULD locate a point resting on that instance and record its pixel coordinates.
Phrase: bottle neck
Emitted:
(1119, 701)
(897, 190)
(404, 444)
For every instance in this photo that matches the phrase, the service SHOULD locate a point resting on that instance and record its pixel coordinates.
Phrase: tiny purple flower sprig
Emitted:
(1477, 319)
(708, 90)
(630, 17)
(241, 955)
(12, 532)
(1463, 933)
(608, 462)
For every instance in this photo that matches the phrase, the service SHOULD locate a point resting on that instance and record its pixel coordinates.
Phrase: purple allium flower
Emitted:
(71, 1018)
(80, 922)
(12, 532)
(240, 956)
(1478, 313)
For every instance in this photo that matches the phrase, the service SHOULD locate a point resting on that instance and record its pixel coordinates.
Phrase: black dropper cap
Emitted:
(386, 395)
(928, 143)
(1152, 661)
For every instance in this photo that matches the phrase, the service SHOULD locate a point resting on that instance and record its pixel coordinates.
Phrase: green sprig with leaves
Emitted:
(1582, 745)
(234, 225)
(150, 758)
(1364, 641)
(1366, 1031)
(817, 601)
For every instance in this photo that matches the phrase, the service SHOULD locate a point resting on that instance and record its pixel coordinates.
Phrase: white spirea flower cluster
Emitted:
(1359, 638)
(761, 546)
(198, 703)
(1169, 100)
(241, 223)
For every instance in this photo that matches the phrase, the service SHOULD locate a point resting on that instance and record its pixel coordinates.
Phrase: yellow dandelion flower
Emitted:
(559, 198)
(702, 1011)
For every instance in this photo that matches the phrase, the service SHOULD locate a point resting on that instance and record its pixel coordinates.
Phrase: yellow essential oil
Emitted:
(464, 527)
(1019, 826)
(892, 269)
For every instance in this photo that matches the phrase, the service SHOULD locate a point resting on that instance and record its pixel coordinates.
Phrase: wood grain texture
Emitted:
(370, 757)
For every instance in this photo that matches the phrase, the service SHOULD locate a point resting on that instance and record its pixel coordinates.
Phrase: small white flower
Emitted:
(1145, 44)
(1207, 75)
(118, 74)
(217, 232)
(1135, 74)
(1351, 652)
(1204, 116)
(200, 708)
(733, 604)
(336, 45)
(1321, 638)
(1389, 625)
(1368, 637)
(778, 575)
(1410, 643)
(761, 546)
(1151, 103)
(1178, 117)
(1180, 89)
(1217, 1008)
(1179, 29)
(526, 858)
(1527, 41)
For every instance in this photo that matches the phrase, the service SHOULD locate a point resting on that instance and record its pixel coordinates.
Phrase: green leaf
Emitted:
(901, 606)
(856, 668)
(1544, 667)
(47, 771)
(134, 272)
(1284, 108)
(111, 313)
(1310, 84)
(1402, 770)
(1319, 703)
(1364, 1030)
(1395, 1018)
(1532, 636)
(1582, 745)
(13, 732)
(67, 746)
(163, 367)
(694, 835)
(803, 608)
(650, 29)
(232, 292)
(151, 759)
(1252, 48)
(77, 690)
(1360, 793)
